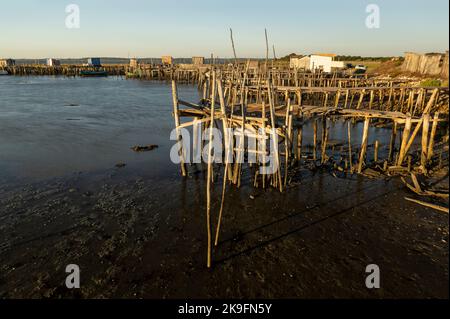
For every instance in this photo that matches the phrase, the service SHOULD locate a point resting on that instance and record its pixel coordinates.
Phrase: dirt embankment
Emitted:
(393, 68)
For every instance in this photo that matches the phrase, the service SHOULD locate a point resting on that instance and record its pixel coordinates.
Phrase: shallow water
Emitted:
(54, 126)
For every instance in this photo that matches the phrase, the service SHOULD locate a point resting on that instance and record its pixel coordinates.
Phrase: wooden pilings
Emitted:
(280, 116)
(64, 70)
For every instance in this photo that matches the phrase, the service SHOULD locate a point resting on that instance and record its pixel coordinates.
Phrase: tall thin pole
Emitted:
(225, 132)
(232, 44)
(210, 170)
(267, 54)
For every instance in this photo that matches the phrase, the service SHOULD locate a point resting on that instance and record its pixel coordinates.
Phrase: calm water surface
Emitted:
(53, 126)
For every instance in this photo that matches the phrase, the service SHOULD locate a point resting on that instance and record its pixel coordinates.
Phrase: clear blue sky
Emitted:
(183, 28)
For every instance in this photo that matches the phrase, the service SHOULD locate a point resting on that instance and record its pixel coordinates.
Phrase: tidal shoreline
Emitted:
(137, 236)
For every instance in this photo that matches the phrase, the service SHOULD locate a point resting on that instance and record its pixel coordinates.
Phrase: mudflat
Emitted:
(137, 236)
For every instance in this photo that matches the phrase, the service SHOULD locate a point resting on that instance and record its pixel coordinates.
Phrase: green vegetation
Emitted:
(433, 82)
(365, 58)
(287, 58)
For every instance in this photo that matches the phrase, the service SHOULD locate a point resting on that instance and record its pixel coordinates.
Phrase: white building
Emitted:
(324, 62)
(53, 62)
(7, 62)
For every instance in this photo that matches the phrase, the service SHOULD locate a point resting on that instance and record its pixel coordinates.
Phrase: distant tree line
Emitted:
(348, 58)
(364, 58)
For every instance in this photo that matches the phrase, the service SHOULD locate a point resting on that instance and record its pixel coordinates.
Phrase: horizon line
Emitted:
(206, 57)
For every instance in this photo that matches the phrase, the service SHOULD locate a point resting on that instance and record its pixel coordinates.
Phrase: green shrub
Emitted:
(430, 82)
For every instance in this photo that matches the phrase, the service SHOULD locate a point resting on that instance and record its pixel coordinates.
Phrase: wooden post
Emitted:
(323, 133)
(288, 123)
(177, 126)
(361, 97)
(389, 102)
(346, 99)
(324, 137)
(228, 145)
(227, 160)
(375, 155)
(371, 99)
(409, 101)
(324, 145)
(405, 136)
(419, 100)
(338, 96)
(275, 138)
(210, 170)
(364, 144)
(392, 142)
(432, 135)
(350, 156)
(299, 143)
(264, 145)
(315, 140)
(196, 135)
(380, 99)
(325, 102)
(401, 100)
(425, 129)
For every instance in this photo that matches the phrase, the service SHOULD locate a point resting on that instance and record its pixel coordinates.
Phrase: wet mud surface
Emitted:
(144, 236)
